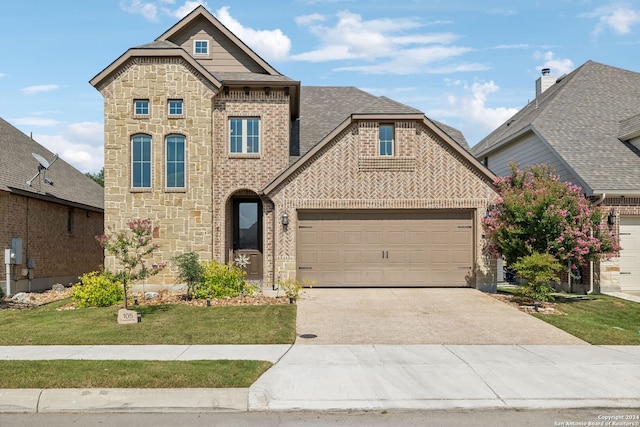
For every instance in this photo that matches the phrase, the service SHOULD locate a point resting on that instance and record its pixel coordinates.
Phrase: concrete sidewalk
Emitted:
(361, 377)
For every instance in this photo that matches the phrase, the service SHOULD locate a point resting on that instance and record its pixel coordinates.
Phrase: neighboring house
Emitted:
(233, 160)
(585, 124)
(50, 220)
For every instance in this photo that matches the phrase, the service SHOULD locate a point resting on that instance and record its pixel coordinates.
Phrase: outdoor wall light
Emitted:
(611, 218)
(285, 219)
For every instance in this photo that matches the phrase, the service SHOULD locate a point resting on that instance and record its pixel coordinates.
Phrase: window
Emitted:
(141, 161)
(70, 221)
(201, 47)
(244, 135)
(175, 161)
(141, 107)
(175, 107)
(386, 140)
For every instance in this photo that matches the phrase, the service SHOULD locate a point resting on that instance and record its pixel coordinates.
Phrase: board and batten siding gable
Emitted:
(528, 150)
(224, 55)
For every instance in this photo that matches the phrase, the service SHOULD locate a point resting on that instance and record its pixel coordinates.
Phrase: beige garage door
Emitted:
(381, 248)
(630, 254)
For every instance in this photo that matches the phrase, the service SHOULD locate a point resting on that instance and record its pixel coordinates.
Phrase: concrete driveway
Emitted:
(418, 316)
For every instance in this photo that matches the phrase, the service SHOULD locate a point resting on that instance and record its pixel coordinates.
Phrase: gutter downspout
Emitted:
(591, 290)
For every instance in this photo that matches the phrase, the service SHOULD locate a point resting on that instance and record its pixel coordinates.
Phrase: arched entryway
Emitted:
(246, 233)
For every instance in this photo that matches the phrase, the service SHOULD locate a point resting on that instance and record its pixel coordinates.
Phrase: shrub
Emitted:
(293, 288)
(540, 271)
(189, 270)
(221, 280)
(97, 289)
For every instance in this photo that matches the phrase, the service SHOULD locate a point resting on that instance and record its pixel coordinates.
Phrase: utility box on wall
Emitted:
(16, 247)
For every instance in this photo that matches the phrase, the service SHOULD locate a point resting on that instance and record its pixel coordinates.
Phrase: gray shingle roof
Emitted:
(323, 108)
(17, 166)
(580, 117)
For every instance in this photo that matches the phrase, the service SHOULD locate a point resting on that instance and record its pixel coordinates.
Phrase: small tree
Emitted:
(189, 270)
(132, 247)
(536, 212)
(540, 271)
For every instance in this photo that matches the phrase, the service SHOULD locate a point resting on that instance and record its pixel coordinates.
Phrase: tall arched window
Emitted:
(141, 161)
(175, 161)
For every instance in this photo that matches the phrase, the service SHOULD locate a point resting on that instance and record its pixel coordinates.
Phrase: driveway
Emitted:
(418, 316)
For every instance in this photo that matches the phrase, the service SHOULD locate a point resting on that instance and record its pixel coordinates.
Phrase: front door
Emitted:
(247, 236)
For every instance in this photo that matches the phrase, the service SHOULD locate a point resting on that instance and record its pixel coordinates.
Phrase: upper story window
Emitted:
(201, 47)
(141, 161)
(141, 107)
(244, 135)
(175, 107)
(386, 140)
(175, 161)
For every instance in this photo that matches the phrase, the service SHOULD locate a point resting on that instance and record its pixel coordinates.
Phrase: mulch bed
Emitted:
(37, 299)
(543, 308)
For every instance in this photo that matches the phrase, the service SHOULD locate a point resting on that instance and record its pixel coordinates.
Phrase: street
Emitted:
(467, 417)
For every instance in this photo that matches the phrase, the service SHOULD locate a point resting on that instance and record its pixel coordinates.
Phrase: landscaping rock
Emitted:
(58, 287)
(151, 295)
(21, 297)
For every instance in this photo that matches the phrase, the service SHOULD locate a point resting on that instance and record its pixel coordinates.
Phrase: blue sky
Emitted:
(467, 63)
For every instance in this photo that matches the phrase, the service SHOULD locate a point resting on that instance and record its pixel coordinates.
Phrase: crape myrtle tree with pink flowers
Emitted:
(132, 247)
(536, 213)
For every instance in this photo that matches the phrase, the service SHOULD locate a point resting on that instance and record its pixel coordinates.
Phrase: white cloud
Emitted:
(147, 9)
(187, 8)
(34, 121)
(619, 17)
(471, 107)
(389, 46)
(32, 90)
(309, 19)
(270, 44)
(2, 75)
(558, 67)
(81, 145)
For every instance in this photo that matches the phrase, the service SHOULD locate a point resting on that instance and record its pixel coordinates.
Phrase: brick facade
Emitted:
(437, 178)
(60, 256)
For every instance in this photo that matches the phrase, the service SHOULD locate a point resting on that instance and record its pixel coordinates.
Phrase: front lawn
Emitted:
(161, 324)
(598, 319)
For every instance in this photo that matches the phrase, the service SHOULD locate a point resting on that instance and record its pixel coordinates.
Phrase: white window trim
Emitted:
(201, 54)
(167, 187)
(173, 115)
(244, 151)
(393, 140)
(142, 189)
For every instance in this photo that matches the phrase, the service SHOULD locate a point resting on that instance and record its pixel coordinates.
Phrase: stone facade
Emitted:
(59, 239)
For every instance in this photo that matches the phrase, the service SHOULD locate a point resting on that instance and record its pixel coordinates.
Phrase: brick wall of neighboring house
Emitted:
(60, 255)
(185, 217)
(347, 173)
(608, 271)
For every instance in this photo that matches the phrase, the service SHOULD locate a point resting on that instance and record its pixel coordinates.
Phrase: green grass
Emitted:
(596, 319)
(130, 374)
(161, 324)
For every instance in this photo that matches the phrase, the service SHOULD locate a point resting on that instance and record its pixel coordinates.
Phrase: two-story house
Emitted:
(232, 159)
(586, 124)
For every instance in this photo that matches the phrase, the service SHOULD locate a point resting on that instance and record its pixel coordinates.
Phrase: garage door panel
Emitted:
(630, 254)
(417, 248)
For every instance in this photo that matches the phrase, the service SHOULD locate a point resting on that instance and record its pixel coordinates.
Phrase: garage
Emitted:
(630, 254)
(385, 248)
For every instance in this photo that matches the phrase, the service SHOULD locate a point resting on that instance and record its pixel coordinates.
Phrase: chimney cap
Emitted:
(546, 71)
